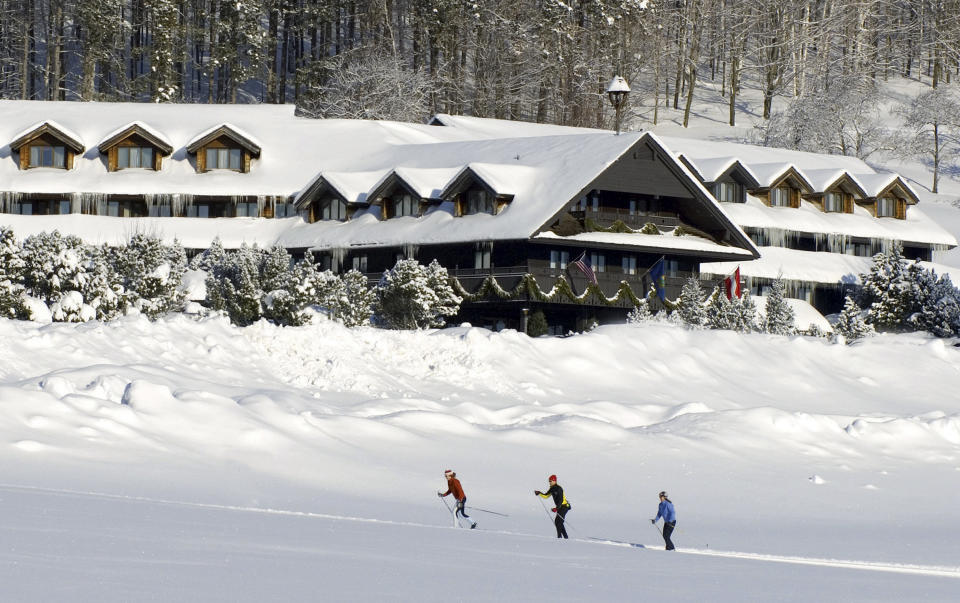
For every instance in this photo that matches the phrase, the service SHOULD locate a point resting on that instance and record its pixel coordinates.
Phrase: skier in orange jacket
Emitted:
(454, 487)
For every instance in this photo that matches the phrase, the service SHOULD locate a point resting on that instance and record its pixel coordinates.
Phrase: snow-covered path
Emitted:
(86, 546)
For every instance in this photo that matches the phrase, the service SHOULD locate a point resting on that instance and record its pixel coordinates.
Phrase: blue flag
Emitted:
(659, 276)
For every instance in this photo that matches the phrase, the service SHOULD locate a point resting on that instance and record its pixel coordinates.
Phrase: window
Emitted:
(48, 156)
(729, 192)
(134, 157)
(404, 205)
(671, 267)
(481, 255)
(64, 207)
(359, 263)
(559, 259)
(479, 202)
(633, 207)
(248, 210)
(598, 262)
(860, 249)
(589, 202)
(629, 263)
(224, 159)
(333, 209)
(23, 208)
(198, 211)
(284, 210)
(160, 211)
(780, 196)
(833, 202)
(885, 207)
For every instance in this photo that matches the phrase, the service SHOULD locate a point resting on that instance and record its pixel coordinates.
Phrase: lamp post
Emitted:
(618, 90)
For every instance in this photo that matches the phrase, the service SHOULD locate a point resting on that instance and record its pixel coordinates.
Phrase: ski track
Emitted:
(922, 570)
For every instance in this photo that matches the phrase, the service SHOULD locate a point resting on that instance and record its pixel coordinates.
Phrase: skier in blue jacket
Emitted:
(665, 510)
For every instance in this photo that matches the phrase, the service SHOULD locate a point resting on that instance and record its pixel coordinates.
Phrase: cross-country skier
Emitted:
(561, 508)
(665, 510)
(454, 487)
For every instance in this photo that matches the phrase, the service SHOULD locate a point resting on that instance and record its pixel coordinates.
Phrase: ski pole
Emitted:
(551, 517)
(657, 528)
(456, 519)
(486, 511)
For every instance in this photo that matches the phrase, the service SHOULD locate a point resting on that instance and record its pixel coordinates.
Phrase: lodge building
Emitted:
(507, 208)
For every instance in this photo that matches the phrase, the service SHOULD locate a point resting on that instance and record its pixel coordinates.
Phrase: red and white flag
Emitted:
(731, 284)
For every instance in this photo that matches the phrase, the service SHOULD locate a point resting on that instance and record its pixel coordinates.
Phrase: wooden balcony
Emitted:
(607, 216)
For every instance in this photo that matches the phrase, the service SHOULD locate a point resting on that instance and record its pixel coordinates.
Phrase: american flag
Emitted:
(584, 265)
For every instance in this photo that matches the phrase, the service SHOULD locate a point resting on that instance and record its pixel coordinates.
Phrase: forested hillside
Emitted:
(538, 60)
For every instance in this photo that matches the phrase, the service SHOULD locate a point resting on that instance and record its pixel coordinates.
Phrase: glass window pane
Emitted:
(236, 159)
(203, 211)
(34, 156)
(223, 158)
(123, 157)
(146, 158)
(211, 159)
(113, 208)
(59, 157)
(64, 207)
(46, 158)
(26, 209)
(135, 157)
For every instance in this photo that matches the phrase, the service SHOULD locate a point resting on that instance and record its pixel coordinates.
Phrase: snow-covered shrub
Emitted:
(233, 285)
(640, 314)
(358, 300)
(779, 318)
(152, 273)
(413, 296)
(12, 304)
(104, 290)
(55, 265)
(71, 308)
(850, 325)
(735, 314)
(691, 306)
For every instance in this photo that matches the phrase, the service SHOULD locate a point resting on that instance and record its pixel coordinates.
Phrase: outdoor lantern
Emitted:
(618, 90)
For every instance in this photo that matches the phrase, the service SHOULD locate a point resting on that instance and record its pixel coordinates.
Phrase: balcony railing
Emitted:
(636, 220)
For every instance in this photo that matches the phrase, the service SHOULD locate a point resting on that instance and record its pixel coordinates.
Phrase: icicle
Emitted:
(410, 251)
(10, 201)
(261, 202)
(93, 203)
(337, 257)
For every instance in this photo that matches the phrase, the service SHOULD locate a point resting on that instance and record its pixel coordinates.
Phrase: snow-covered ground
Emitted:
(180, 460)
(196, 461)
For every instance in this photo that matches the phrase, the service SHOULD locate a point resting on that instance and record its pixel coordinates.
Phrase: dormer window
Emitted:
(333, 209)
(48, 156)
(225, 159)
(134, 157)
(729, 192)
(833, 202)
(781, 196)
(224, 147)
(479, 201)
(48, 145)
(403, 205)
(886, 207)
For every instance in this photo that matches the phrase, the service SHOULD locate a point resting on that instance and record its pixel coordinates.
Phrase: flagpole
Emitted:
(662, 258)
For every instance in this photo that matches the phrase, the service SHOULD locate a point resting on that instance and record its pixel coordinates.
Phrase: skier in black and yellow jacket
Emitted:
(561, 508)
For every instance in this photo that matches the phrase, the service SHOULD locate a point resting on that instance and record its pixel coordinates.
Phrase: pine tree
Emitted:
(779, 319)
(152, 273)
(850, 325)
(53, 266)
(886, 291)
(104, 290)
(537, 325)
(358, 300)
(412, 296)
(690, 306)
(935, 303)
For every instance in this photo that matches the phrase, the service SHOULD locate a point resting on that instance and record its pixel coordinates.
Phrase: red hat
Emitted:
(552, 478)
(448, 472)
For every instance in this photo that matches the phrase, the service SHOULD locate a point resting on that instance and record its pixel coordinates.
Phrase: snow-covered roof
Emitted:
(666, 242)
(141, 128)
(713, 168)
(875, 184)
(822, 180)
(54, 128)
(808, 266)
(915, 228)
(229, 130)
